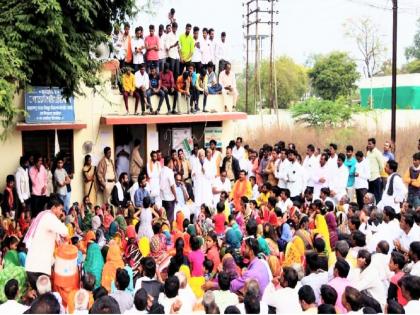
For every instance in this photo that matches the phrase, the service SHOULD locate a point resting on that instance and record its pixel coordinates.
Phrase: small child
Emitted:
(208, 267)
(196, 258)
(213, 252)
(220, 220)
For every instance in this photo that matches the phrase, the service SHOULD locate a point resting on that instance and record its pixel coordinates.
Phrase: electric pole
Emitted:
(394, 70)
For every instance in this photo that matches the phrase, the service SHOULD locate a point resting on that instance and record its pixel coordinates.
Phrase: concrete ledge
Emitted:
(110, 120)
(53, 126)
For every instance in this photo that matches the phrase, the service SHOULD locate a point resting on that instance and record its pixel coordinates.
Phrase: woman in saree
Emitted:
(320, 225)
(132, 252)
(304, 233)
(331, 223)
(113, 262)
(89, 177)
(271, 239)
(158, 249)
(94, 263)
(295, 252)
(12, 270)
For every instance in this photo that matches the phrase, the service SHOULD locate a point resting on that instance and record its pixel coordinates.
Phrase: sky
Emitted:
(305, 27)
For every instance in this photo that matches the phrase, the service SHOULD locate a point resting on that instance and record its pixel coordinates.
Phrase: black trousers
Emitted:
(37, 204)
(174, 93)
(170, 209)
(375, 188)
(174, 66)
(197, 66)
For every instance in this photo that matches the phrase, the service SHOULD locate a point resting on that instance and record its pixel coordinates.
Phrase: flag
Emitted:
(56, 144)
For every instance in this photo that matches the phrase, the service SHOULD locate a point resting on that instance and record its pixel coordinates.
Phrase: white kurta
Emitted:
(398, 195)
(280, 172)
(203, 175)
(309, 165)
(321, 172)
(295, 179)
(154, 178)
(41, 250)
(339, 182)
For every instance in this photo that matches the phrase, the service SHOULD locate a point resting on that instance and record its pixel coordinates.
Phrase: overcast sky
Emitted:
(305, 27)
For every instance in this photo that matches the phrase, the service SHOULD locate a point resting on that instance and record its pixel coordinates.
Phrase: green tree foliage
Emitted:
(292, 83)
(334, 75)
(47, 42)
(411, 67)
(324, 113)
(413, 52)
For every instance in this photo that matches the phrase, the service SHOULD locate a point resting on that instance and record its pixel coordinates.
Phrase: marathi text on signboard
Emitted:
(47, 105)
(213, 133)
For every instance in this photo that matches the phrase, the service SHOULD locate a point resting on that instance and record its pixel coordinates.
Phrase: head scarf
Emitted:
(121, 222)
(94, 263)
(96, 222)
(113, 262)
(180, 220)
(113, 229)
(12, 270)
(131, 232)
(191, 230)
(229, 266)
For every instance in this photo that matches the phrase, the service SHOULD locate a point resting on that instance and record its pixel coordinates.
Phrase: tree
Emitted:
(411, 67)
(47, 42)
(291, 81)
(334, 75)
(369, 43)
(413, 52)
(324, 113)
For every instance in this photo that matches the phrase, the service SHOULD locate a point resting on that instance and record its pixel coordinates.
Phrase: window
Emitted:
(43, 142)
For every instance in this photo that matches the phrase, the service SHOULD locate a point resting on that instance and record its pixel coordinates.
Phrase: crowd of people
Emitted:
(249, 231)
(167, 64)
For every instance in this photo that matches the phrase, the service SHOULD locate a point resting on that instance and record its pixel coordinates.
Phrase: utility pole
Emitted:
(250, 11)
(247, 58)
(394, 71)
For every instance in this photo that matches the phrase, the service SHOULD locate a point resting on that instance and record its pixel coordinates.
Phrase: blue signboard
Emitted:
(46, 105)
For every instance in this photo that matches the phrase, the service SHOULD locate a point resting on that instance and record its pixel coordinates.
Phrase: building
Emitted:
(92, 121)
(378, 89)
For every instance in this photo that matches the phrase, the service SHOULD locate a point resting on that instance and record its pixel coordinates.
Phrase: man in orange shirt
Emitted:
(183, 83)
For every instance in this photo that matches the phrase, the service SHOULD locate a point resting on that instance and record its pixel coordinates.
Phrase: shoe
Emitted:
(136, 114)
(143, 113)
(127, 113)
(156, 113)
(174, 112)
(205, 111)
(168, 113)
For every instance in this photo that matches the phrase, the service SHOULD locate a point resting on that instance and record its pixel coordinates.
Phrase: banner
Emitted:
(47, 105)
(182, 139)
(213, 133)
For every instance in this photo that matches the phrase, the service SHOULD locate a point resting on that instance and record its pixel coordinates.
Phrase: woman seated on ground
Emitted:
(158, 249)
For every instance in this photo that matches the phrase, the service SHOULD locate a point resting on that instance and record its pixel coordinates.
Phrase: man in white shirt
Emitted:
(287, 291)
(238, 151)
(228, 82)
(185, 293)
(223, 297)
(167, 188)
(162, 53)
(196, 57)
(361, 179)
(410, 287)
(295, 178)
(205, 48)
(414, 255)
(142, 82)
(171, 295)
(332, 161)
(11, 306)
(395, 190)
(317, 276)
(321, 176)
(222, 54)
(284, 203)
(41, 237)
(339, 182)
(172, 46)
(280, 169)
(153, 172)
(22, 182)
(212, 42)
(389, 230)
(138, 48)
(309, 165)
(408, 234)
(220, 184)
